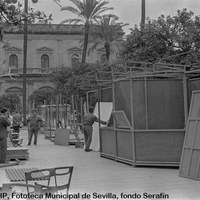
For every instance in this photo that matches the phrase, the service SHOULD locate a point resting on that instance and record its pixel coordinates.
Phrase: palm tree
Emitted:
(107, 33)
(87, 11)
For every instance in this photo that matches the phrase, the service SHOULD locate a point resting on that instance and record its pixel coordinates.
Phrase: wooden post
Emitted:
(82, 112)
(185, 96)
(146, 103)
(114, 123)
(57, 111)
(132, 118)
(73, 112)
(87, 101)
(66, 110)
(50, 117)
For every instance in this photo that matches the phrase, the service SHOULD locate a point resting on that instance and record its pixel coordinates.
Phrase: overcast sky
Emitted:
(128, 11)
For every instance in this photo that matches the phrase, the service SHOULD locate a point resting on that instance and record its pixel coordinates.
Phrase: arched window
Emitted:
(13, 61)
(75, 60)
(103, 58)
(45, 61)
(14, 90)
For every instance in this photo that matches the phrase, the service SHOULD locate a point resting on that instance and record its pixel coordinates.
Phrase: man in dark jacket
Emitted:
(34, 126)
(89, 120)
(4, 122)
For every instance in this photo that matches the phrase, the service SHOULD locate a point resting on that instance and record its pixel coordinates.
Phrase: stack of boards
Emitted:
(19, 153)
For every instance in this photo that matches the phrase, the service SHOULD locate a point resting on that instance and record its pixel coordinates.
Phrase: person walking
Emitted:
(4, 123)
(89, 120)
(17, 120)
(34, 123)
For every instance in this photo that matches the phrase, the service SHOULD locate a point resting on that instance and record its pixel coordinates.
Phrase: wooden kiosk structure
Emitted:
(155, 104)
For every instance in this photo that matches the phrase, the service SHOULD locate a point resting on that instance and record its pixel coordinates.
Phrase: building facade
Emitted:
(49, 47)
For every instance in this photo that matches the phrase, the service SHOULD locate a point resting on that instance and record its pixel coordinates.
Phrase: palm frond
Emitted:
(71, 9)
(79, 4)
(94, 46)
(97, 12)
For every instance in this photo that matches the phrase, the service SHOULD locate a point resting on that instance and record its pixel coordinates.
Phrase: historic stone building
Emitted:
(49, 47)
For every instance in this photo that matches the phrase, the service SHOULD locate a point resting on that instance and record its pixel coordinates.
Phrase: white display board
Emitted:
(105, 113)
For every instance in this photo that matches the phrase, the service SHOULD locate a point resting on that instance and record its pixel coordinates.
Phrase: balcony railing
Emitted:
(29, 71)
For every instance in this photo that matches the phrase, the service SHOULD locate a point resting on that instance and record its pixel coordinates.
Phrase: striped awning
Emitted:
(18, 174)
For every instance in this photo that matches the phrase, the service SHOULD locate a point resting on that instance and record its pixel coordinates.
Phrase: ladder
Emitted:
(78, 144)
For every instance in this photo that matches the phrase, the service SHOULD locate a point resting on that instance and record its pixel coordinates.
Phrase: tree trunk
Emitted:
(107, 47)
(87, 26)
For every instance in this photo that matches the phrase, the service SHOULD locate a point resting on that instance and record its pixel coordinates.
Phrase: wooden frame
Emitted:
(190, 160)
(121, 116)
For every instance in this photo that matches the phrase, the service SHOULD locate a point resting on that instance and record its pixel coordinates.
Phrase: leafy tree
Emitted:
(67, 81)
(168, 39)
(12, 16)
(87, 12)
(107, 33)
(40, 96)
(11, 101)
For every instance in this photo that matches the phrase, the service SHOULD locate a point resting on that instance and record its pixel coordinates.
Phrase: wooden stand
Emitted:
(154, 108)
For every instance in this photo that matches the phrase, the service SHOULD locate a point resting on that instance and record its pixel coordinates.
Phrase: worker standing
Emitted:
(33, 127)
(4, 123)
(89, 120)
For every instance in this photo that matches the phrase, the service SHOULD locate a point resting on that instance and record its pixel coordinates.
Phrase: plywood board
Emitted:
(121, 120)
(190, 160)
(165, 104)
(105, 113)
(122, 97)
(62, 137)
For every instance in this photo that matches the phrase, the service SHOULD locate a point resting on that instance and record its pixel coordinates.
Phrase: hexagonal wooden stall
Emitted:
(151, 127)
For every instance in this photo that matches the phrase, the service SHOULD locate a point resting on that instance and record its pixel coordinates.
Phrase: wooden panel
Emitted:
(190, 161)
(107, 141)
(124, 145)
(159, 145)
(197, 138)
(193, 84)
(184, 169)
(194, 167)
(122, 97)
(106, 95)
(165, 104)
(194, 112)
(139, 111)
(121, 119)
(62, 137)
(190, 140)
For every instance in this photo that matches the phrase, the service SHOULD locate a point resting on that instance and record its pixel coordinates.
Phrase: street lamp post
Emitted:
(25, 58)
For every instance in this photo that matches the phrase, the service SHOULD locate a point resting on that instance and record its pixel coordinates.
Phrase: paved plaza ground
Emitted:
(93, 174)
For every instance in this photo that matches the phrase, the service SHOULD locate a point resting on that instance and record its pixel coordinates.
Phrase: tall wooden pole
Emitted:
(142, 13)
(25, 59)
